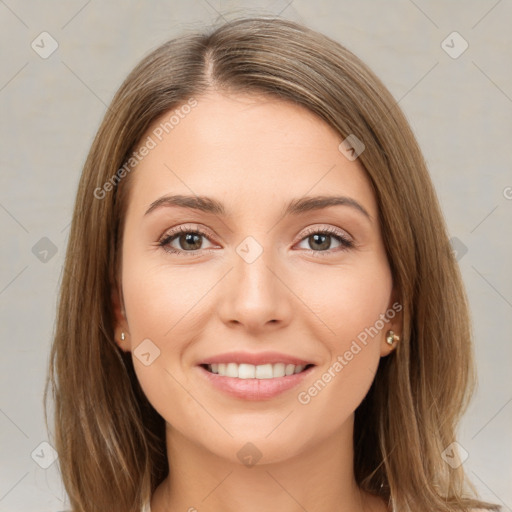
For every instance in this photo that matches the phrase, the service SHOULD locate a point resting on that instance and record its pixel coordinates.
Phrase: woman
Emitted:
(260, 307)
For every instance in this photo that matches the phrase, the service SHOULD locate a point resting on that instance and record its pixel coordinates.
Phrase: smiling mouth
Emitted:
(250, 371)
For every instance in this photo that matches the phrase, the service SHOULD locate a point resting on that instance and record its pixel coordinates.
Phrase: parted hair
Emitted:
(110, 440)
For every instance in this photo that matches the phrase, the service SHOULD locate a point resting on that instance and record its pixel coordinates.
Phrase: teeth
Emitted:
(250, 371)
(264, 371)
(278, 370)
(231, 370)
(246, 371)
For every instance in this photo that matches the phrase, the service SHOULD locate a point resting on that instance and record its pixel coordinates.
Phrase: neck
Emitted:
(318, 479)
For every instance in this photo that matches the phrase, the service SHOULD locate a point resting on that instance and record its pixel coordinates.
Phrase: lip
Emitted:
(255, 358)
(254, 389)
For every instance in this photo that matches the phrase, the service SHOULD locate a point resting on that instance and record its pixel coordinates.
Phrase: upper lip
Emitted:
(255, 359)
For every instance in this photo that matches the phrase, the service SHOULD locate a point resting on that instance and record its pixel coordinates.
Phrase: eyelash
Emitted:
(346, 243)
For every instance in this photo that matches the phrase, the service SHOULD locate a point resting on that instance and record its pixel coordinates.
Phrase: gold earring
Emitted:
(391, 337)
(123, 336)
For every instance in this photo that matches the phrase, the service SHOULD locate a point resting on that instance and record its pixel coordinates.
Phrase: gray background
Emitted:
(460, 109)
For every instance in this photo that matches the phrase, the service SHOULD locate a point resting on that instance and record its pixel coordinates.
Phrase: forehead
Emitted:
(246, 151)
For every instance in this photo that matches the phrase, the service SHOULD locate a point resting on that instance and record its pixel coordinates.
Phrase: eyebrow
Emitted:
(294, 207)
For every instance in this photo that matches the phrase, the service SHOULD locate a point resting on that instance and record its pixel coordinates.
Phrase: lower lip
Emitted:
(255, 389)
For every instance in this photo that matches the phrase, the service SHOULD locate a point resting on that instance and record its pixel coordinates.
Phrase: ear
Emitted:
(393, 322)
(120, 322)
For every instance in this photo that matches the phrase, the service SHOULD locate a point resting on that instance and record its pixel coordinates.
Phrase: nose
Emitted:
(255, 295)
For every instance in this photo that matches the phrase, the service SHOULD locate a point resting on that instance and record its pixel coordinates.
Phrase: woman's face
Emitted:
(269, 284)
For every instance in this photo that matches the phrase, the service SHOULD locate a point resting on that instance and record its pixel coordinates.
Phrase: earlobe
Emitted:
(120, 323)
(390, 343)
(392, 334)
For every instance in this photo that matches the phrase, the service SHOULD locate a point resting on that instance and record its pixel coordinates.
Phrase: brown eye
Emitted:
(321, 240)
(185, 240)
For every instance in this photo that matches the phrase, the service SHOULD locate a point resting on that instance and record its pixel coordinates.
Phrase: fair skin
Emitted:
(302, 296)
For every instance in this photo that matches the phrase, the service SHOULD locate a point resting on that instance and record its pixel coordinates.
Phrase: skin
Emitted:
(254, 154)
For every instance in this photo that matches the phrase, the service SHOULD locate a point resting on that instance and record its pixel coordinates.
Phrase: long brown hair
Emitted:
(110, 440)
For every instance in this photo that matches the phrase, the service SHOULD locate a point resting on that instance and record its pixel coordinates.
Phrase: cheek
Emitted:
(160, 302)
(351, 306)
(163, 308)
(349, 301)
(167, 308)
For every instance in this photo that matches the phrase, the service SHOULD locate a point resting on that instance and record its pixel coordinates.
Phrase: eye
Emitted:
(319, 240)
(188, 240)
